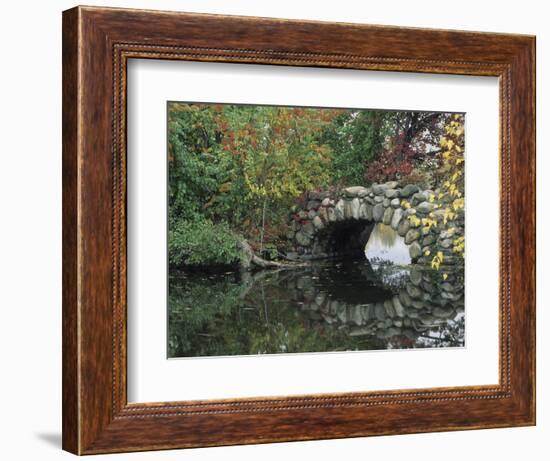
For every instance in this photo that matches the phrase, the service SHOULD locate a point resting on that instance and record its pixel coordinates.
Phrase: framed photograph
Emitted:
(282, 230)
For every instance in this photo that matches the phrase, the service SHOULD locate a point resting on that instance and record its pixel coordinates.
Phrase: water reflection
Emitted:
(386, 245)
(328, 306)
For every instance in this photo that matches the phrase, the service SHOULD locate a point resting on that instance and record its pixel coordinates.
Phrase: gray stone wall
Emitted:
(424, 303)
(353, 211)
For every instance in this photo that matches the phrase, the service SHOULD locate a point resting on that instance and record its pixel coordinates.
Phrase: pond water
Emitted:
(380, 302)
(387, 245)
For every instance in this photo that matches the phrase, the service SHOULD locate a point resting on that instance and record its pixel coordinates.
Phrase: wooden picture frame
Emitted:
(97, 43)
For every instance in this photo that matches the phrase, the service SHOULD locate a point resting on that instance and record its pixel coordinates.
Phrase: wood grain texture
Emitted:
(70, 383)
(97, 43)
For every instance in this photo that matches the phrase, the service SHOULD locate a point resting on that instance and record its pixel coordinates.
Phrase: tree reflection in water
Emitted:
(379, 303)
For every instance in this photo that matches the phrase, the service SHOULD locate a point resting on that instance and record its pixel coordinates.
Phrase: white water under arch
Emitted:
(385, 244)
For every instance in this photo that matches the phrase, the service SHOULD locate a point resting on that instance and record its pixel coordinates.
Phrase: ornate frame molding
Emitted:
(97, 43)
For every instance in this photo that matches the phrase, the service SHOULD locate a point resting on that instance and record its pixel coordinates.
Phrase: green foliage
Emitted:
(355, 138)
(222, 315)
(246, 166)
(195, 170)
(276, 150)
(243, 165)
(201, 242)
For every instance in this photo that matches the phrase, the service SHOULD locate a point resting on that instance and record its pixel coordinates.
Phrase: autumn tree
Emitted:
(447, 217)
(278, 153)
(235, 171)
(411, 144)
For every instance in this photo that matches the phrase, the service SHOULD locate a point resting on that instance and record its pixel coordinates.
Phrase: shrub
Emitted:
(201, 243)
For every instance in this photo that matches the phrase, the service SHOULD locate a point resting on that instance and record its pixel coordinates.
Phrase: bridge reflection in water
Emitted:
(383, 302)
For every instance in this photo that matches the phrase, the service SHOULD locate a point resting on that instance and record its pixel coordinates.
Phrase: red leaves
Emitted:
(392, 164)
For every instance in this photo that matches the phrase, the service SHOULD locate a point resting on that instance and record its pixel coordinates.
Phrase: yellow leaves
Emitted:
(431, 198)
(405, 204)
(448, 214)
(427, 253)
(453, 159)
(455, 128)
(428, 223)
(225, 187)
(459, 246)
(448, 201)
(437, 260)
(254, 188)
(445, 276)
(458, 204)
(452, 189)
(414, 220)
(447, 142)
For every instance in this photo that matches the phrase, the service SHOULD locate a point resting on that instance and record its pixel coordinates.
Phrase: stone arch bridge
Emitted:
(333, 225)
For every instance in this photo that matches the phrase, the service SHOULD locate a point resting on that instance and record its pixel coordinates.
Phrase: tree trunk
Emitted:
(263, 226)
(251, 259)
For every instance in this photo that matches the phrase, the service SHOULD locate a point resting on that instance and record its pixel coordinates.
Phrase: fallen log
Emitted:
(252, 259)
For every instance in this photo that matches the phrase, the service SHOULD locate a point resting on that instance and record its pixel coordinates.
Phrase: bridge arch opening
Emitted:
(344, 239)
(340, 224)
